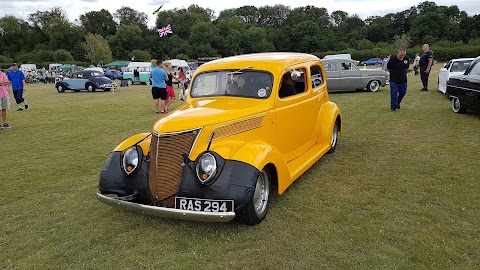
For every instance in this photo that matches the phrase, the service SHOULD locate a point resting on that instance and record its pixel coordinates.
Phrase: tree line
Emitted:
(100, 37)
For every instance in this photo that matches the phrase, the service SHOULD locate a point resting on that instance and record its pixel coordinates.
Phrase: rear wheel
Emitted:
(335, 135)
(373, 86)
(129, 82)
(457, 106)
(60, 88)
(256, 210)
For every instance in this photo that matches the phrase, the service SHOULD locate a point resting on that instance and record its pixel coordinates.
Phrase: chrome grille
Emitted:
(165, 172)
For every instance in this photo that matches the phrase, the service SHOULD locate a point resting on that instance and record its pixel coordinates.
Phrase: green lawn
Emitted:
(400, 192)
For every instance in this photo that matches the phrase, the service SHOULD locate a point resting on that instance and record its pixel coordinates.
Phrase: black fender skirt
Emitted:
(235, 181)
(114, 181)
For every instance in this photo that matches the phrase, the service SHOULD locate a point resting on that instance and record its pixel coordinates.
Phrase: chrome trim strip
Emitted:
(211, 137)
(463, 88)
(167, 212)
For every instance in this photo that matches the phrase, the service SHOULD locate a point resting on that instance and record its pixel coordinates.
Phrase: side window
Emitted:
(316, 74)
(289, 86)
(331, 67)
(475, 70)
(346, 66)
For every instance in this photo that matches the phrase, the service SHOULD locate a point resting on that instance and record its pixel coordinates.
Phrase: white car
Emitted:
(453, 67)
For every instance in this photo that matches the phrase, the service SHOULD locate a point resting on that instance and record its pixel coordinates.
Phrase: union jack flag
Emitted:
(164, 31)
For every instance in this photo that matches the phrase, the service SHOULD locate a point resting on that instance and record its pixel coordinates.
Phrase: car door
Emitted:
(333, 75)
(351, 78)
(443, 76)
(77, 81)
(295, 118)
(471, 85)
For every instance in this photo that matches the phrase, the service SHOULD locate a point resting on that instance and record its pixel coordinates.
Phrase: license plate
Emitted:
(203, 205)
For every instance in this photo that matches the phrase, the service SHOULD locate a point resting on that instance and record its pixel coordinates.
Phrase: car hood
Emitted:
(373, 72)
(456, 73)
(204, 112)
(101, 80)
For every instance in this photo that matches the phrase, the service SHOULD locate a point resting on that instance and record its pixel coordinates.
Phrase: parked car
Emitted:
(343, 74)
(452, 68)
(464, 90)
(230, 145)
(114, 74)
(373, 62)
(89, 80)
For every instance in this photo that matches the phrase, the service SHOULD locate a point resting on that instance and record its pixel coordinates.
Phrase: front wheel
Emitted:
(373, 86)
(91, 87)
(457, 106)
(129, 81)
(335, 135)
(256, 209)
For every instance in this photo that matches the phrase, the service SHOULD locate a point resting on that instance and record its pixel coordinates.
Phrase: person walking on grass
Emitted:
(425, 64)
(17, 78)
(397, 66)
(170, 92)
(159, 87)
(4, 99)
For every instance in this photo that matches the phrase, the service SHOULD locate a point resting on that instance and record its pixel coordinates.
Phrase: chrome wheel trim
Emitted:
(60, 88)
(334, 139)
(374, 86)
(262, 191)
(456, 106)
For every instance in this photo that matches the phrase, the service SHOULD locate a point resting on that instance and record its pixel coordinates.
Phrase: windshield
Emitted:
(246, 83)
(460, 66)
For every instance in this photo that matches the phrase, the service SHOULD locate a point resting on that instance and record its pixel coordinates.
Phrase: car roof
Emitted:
(463, 59)
(261, 61)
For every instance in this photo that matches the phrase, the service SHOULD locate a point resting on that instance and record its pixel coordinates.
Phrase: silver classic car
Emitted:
(343, 74)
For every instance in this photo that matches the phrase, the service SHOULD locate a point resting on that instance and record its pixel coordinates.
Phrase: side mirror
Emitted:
(295, 74)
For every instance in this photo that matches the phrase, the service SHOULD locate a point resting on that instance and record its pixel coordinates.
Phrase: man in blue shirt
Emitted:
(18, 86)
(159, 87)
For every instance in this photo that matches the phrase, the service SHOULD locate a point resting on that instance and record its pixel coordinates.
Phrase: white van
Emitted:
(28, 67)
(137, 72)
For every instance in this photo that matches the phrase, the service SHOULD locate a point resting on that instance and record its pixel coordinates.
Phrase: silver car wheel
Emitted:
(457, 106)
(374, 86)
(262, 191)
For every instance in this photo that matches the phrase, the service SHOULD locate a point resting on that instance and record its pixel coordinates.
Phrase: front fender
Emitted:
(142, 139)
(259, 154)
(326, 120)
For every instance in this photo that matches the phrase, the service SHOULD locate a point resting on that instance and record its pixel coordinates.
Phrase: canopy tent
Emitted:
(117, 64)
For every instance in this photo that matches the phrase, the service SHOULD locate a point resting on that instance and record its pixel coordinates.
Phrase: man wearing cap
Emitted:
(4, 99)
(17, 78)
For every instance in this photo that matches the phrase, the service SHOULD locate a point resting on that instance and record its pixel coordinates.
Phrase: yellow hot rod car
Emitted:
(251, 125)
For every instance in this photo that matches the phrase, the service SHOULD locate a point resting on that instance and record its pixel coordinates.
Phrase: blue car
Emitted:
(373, 62)
(89, 80)
(114, 74)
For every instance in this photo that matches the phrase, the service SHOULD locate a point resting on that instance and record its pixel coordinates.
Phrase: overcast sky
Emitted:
(74, 8)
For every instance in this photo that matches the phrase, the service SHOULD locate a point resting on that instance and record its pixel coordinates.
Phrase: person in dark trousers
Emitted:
(18, 86)
(425, 64)
(397, 66)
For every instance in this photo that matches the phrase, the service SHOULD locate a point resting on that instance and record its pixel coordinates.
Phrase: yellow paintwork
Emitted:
(290, 133)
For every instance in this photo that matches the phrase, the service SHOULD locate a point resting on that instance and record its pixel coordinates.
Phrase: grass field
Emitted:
(400, 192)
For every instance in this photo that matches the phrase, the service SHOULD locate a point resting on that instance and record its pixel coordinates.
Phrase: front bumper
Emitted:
(167, 212)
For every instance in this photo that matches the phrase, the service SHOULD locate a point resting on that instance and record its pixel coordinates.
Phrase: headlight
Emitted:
(130, 160)
(206, 167)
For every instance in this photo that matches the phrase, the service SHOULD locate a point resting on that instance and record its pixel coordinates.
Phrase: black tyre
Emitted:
(256, 210)
(129, 82)
(91, 87)
(334, 139)
(457, 106)
(373, 86)
(60, 88)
